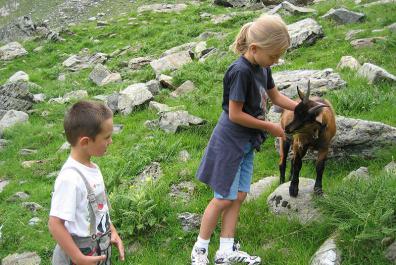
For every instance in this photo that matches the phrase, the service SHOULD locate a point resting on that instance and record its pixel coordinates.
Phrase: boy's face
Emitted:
(98, 146)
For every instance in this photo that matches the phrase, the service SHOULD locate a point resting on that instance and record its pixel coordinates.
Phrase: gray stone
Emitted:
(391, 168)
(20, 195)
(359, 174)
(390, 253)
(31, 163)
(366, 42)
(101, 76)
(348, 62)
(200, 49)
(34, 221)
(32, 206)
(321, 81)
(158, 107)
(139, 62)
(3, 184)
(11, 118)
(351, 34)
(150, 173)
(151, 124)
(261, 186)
(73, 95)
(222, 18)
(392, 27)
(166, 81)
(16, 96)
(327, 254)
(381, 2)
(162, 8)
(153, 86)
(117, 128)
(185, 88)
(26, 151)
(210, 34)
(295, 2)
(184, 156)
(19, 76)
(102, 23)
(37, 98)
(84, 60)
(112, 101)
(64, 147)
(172, 121)
(300, 208)
(26, 258)
(293, 9)
(233, 3)
(182, 190)
(3, 142)
(134, 95)
(375, 74)
(171, 62)
(344, 16)
(11, 51)
(305, 31)
(189, 221)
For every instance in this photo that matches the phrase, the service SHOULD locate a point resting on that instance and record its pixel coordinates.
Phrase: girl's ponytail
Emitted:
(240, 45)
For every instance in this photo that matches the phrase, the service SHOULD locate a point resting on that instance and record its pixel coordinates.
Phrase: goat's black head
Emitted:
(305, 112)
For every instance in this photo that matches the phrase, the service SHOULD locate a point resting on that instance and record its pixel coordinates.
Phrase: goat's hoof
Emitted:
(318, 191)
(293, 190)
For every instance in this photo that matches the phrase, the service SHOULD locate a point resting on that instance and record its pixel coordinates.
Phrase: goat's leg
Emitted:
(297, 164)
(320, 165)
(284, 148)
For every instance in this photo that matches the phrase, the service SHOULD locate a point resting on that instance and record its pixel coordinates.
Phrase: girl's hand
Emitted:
(116, 240)
(276, 130)
(90, 260)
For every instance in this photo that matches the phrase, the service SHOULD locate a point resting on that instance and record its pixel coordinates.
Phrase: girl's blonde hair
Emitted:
(268, 32)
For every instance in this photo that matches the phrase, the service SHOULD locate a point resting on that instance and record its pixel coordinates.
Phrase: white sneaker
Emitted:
(236, 257)
(199, 256)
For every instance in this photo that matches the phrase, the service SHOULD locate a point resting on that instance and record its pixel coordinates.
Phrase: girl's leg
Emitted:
(211, 216)
(230, 216)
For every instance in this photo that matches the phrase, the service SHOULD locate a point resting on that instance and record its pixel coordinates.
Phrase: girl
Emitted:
(227, 165)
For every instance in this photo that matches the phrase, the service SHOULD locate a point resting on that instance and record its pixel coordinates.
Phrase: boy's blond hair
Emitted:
(268, 32)
(85, 118)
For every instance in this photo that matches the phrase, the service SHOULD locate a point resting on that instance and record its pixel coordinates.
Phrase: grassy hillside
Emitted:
(364, 213)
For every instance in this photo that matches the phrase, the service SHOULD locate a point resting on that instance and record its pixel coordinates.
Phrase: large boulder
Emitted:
(375, 74)
(171, 62)
(16, 96)
(11, 118)
(305, 31)
(344, 16)
(321, 81)
(101, 76)
(12, 50)
(84, 60)
(327, 254)
(132, 96)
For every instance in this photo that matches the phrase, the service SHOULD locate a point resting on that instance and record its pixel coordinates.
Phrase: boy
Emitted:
(79, 217)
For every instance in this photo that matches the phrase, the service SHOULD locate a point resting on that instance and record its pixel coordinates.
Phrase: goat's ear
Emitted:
(316, 107)
(300, 94)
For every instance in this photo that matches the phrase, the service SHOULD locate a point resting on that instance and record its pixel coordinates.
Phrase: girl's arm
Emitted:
(62, 236)
(236, 115)
(116, 240)
(281, 100)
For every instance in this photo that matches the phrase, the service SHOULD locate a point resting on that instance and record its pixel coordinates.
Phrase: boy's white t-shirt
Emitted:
(70, 203)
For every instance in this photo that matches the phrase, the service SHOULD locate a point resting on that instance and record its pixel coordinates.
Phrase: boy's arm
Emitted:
(61, 235)
(116, 240)
(281, 100)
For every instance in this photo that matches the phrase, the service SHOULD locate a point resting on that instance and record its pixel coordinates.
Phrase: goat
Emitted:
(311, 126)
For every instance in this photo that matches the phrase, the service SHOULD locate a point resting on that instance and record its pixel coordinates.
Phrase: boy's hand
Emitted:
(116, 240)
(276, 130)
(90, 260)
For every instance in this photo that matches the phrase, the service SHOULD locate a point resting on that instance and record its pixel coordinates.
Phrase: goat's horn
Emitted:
(300, 94)
(305, 100)
(315, 108)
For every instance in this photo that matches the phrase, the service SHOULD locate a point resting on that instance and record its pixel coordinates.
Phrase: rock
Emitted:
(38, 49)
(139, 62)
(112, 101)
(166, 81)
(152, 125)
(31, 163)
(305, 31)
(53, 174)
(26, 258)
(11, 118)
(189, 221)
(200, 49)
(151, 173)
(391, 168)
(158, 107)
(16, 96)
(84, 60)
(34, 221)
(361, 173)
(101, 76)
(18, 76)
(351, 34)
(153, 86)
(183, 190)
(185, 88)
(344, 16)
(327, 254)
(222, 18)
(102, 23)
(3, 184)
(65, 146)
(20, 195)
(233, 3)
(62, 77)
(260, 187)
(366, 42)
(32, 206)
(162, 8)
(132, 96)
(186, 47)
(392, 27)
(381, 2)
(73, 95)
(375, 74)
(390, 253)
(171, 62)
(184, 156)
(210, 34)
(11, 51)
(172, 121)
(302, 207)
(321, 81)
(295, 2)
(348, 62)
(293, 9)
(37, 98)
(25, 152)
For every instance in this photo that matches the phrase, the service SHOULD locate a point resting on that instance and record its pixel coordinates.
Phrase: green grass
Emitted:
(158, 232)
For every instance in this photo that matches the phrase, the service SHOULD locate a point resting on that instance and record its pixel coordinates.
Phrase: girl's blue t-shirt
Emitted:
(247, 83)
